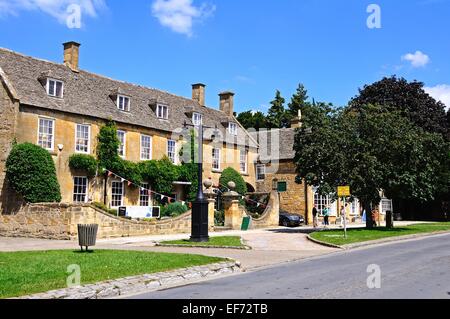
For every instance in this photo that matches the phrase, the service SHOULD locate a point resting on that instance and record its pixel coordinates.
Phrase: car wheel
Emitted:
(285, 223)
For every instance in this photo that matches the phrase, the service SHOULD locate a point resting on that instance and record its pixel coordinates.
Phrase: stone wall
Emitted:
(271, 216)
(8, 116)
(294, 200)
(59, 221)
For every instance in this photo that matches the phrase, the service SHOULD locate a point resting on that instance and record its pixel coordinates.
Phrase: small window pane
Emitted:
(45, 139)
(117, 194)
(146, 147)
(121, 137)
(80, 189)
(171, 150)
(216, 159)
(260, 172)
(144, 195)
(82, 138)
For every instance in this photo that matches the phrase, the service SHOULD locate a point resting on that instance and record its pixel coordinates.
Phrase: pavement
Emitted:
(412, 269)
(269, 246)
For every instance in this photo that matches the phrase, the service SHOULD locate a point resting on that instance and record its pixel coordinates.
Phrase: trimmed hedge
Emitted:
(84, 162)
(31, 172)
(230, 174)
(173, 210)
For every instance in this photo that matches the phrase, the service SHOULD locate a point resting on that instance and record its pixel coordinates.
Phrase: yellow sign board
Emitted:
(344, 191)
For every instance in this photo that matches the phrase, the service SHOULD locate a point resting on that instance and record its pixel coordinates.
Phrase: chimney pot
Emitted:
(227, 102)
(198, 93)
(71, 55)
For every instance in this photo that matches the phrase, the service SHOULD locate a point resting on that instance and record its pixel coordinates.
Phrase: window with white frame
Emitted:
(197, 119)
(121, 135)
(233, 128)
(144, 195)
(162, 111)
(172, 150)
(123, 103)
(260, 172)
(321, 202)
(46, 135)
(117, 194)
(216, 159)
(82, 138)
(243, 160)
(146, 147)
(80, 189)
(55, 88)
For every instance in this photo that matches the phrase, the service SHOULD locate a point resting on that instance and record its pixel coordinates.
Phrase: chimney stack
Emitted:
(227, 103)
(71, 55)
(198, 93)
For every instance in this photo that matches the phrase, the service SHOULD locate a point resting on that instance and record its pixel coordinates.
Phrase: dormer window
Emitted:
(123, 103)
(55, 88)
(162, 112)
(233, 129)
(197, 119)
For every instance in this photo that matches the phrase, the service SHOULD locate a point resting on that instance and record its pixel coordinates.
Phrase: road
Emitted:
(409, 269)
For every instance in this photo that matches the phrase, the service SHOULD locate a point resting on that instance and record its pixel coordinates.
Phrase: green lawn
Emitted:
(23, 273)
(336, 237)
(225, 241)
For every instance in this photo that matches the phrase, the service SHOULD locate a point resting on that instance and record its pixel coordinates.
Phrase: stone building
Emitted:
(275, 169)
(61, 108)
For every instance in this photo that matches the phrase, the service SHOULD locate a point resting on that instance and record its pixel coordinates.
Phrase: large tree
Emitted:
(372, 151)
(251, 119)
(277, 116)
(299, 101)
(409, 98)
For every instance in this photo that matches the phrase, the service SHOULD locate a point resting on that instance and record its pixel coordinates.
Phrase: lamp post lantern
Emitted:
(200, 225)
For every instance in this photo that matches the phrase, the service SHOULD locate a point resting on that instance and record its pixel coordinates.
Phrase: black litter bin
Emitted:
(389, 220)
(87, 235)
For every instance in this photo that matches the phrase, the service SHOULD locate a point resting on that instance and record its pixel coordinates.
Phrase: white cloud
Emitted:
(55, 8)
(440, 93)
(180, 15)
(417, 60)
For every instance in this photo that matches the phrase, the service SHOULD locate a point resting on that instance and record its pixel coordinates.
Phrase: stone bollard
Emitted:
(233, 215)
(211, 196)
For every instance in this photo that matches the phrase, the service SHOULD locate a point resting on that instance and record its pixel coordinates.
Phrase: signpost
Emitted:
(344, 191)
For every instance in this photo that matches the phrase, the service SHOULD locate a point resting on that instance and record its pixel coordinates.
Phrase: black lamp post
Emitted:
(200, 225)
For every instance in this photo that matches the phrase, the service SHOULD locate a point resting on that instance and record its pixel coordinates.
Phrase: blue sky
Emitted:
(251, 47)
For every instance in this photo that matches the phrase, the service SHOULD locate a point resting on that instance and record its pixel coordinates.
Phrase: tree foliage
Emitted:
(108, 144)
(31, 172)
(251, 119)
(231, 175)
(160, 174)
(408, 98)
(277, 116)
(373, 150)
(84, 162)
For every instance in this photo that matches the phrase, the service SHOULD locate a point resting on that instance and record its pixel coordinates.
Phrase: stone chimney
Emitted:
(227, 103)
(71, 55)
(198, 93)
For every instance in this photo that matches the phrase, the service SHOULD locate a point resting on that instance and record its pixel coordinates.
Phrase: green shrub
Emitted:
(126, 169)
(230, 174)
(108, 144)
(219, 218)
(84, 162)
(189, 173)
(105, 208)
(31, 172)
(174, 210)
(160, 174)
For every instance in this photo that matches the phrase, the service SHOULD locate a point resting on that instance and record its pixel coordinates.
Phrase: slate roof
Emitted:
(277, 144)
(89, 94)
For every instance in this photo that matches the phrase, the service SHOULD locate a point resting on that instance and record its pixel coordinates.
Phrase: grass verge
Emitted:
(24, 273)
(224, 241)
(358, 235)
